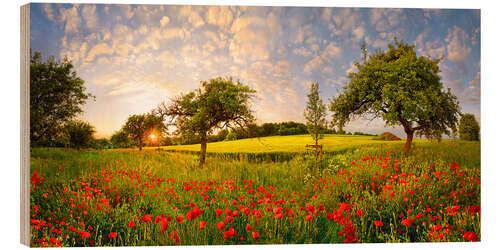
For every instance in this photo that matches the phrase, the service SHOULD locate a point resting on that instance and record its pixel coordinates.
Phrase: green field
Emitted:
(290, 143)
(360, 193)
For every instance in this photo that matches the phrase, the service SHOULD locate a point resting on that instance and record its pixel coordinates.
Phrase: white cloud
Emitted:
(89, 14)
(220, 16)
(49, 11)
(458, 49)
(99, 49)
(70, 18)
(303, 51)
(164, 21)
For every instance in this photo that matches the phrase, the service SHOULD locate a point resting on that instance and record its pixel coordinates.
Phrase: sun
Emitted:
(152, 137)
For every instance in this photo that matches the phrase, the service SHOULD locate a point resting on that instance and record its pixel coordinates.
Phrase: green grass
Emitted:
(355, 174)
(290, 143)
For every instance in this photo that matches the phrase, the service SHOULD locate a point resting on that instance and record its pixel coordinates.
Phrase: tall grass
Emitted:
(342, 176)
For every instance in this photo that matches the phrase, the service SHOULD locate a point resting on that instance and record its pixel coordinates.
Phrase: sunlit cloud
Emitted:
(132, 57)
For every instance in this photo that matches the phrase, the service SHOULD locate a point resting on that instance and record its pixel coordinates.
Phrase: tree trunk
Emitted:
(140, 145)
(203, 150)
(409, 139)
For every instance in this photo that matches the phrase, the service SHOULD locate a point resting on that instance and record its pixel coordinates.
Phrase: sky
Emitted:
(133, 57)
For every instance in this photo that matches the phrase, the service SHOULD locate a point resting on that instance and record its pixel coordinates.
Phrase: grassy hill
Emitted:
(291, 143)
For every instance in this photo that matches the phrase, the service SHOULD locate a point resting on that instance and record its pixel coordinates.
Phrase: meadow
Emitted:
(361, 191)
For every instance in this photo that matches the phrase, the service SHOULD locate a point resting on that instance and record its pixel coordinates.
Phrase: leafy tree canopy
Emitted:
(80, 134)
(468, 128)
(56, 96)
(219, 103)
(315, 114)
(139, 127)
(402, 89)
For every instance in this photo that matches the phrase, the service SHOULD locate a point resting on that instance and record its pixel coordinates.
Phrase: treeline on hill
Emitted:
(251, 131)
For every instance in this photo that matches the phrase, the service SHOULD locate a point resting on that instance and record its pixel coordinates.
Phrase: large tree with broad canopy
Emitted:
(219, 103)
(402, 89)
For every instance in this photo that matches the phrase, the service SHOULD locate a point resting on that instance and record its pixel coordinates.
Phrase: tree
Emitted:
(139, 127)
(120, 139)
(219, 103)
(468, 128)
(80, 134)
(56, 96)
(315, 114)
(402, 89)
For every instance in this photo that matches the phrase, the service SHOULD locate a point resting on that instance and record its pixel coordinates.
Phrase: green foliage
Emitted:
(402, 89)
(120, 140)
(231, 137)
(387, 136)
(79, 134)
(102, 143)
(56, 97)
(468, 128)
(219, 103)
(155, 182)
(139, 127)
(315, 114)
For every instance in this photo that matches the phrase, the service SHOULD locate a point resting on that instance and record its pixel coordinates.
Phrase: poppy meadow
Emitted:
(364, 194)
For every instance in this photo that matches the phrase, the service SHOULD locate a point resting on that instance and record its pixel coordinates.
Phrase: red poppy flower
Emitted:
(131, 224)
(360, 212)
(407, 222)
(248, 227)
(146, 218)
(255, 235)
(174, 237)
(179, 218)
(218, 212)
(220, 225)
(228, 219)
(84, 234)
(378, 223)
(164, 225)
(470, 236)
(344, 207)
(309, 217)
(202, 224)
(112, 235)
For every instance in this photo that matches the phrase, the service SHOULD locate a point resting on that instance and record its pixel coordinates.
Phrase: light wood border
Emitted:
(25, 124)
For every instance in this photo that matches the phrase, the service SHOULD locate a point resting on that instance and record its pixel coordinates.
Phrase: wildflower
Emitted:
(112, 235)
(220, 225)
(179, 218)
(360, 212)
(84, 234)
(131, 224)
(255, 235)
(344, 207)
(470, 236)
(174, 237)
(309, 217)
(218, 212)
(202, 224)
(146, 218)
(248, 227)
(378, 223)
(407, 222)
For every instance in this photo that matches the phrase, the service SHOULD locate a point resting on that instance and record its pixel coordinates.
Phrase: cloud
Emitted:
(458, 49)
(476, 80)
(49, 11)
(97, 50)
(89, 14)
(426, 47)
(71, 18)
(164, 21)
(303, 51)
(331, 51)
(220, 16)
